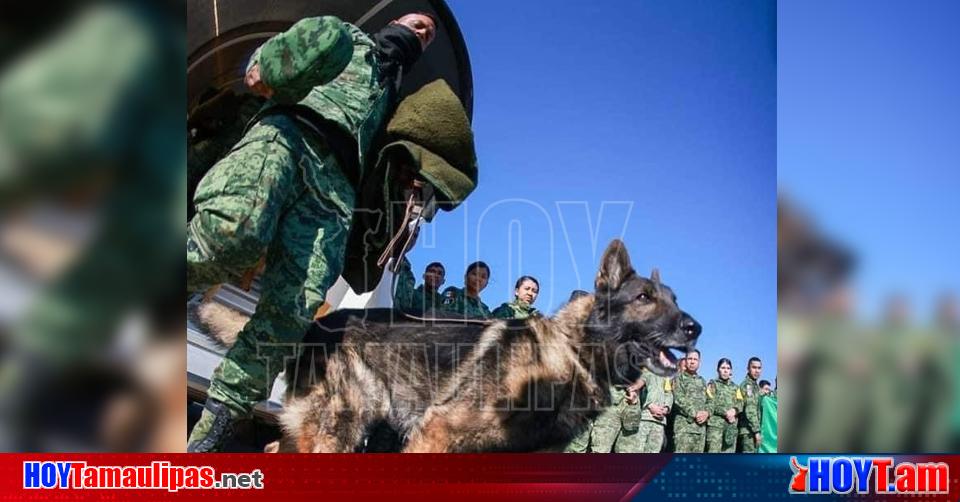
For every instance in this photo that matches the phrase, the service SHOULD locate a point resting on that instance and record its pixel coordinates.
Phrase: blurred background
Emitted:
(868, 242)
(92, 205)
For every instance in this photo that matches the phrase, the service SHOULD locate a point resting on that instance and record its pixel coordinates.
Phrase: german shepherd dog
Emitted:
(470, 386)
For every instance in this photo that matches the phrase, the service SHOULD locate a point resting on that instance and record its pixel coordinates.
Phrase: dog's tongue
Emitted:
(665, 361)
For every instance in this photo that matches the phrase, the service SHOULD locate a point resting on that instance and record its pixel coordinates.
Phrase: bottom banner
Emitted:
(501, 477)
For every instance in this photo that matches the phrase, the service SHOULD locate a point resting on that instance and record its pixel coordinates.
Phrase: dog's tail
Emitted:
(221, 323)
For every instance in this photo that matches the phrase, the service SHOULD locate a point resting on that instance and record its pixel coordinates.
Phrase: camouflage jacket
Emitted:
(517, 309)
(689, 397)
(456, 300)
(630, 414)
(657, 390)
(414, 299)
(330, 67)
(721, 396)
(750, 413)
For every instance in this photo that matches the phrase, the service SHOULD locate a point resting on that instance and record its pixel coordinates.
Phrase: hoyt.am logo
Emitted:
(879, 475)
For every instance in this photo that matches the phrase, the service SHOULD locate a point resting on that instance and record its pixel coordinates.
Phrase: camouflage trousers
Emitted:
(722, 439)
(647, 439)
(688, 442)
(280, 194)
(745, 444)
(615, 429)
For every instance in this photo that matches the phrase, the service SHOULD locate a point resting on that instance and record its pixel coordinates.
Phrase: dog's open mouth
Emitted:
(664, 362)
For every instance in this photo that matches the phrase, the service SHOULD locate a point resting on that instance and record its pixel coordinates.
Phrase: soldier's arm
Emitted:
(683, 402)
(403, 296)
(714, 403)
(310, 53)
(649, 396)
(630, 414)
(503, 312)
(738, 401)
(485, 311)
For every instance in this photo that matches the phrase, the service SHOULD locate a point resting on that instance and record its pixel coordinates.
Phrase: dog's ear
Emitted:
(655, 276)
(615, 267)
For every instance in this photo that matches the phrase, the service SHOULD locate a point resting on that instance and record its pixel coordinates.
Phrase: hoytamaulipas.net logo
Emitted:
(878, 475)
(160, 475)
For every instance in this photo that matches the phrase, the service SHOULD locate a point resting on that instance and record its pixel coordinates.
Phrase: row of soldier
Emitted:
(463, 301)
(684, 414)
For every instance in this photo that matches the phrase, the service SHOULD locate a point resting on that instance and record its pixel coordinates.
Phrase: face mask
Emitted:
(398, 48)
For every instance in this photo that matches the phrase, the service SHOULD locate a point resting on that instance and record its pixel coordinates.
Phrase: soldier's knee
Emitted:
(232, 240)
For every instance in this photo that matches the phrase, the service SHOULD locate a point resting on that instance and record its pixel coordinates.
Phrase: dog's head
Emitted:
(638, 317)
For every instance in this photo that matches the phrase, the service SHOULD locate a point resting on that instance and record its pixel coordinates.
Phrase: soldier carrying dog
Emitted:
(293, 186)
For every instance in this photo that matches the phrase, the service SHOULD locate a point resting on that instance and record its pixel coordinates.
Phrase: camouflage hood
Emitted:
(429, 132)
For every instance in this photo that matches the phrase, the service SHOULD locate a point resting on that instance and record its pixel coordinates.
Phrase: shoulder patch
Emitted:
(449, 296)
(739, 395)
(668, 385)
(711, 390)
(749, 391)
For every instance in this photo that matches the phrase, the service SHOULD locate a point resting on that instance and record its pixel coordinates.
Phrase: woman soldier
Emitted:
(724, 402)
(524, 294)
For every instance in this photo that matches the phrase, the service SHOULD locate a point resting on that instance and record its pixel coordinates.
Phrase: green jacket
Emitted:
(721, 396)
(689, 397)
(517, 309)
(455, 300)
(750, 414)
(330, 67)
(657, 390)
(414, 299)
(430, 133)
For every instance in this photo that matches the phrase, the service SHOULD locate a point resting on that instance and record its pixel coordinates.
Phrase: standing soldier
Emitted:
(724, 401)
(750, 416)
(690, 401)
(656, 406)
(524, 294)
(765, 388)
(466, 301)
(672, 417)
(425, 297)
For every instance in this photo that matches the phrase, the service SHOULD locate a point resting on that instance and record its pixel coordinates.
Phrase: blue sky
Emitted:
(652, 121)
(869, 137)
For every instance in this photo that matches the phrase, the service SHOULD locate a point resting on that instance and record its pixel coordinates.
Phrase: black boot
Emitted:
(213, 429)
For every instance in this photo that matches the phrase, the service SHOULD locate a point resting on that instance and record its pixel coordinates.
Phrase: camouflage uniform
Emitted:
(750, 415)
(517, 309)
(721, 396)
(609, 431)
(690, 397)
(455, 300)
(650, 436)
(409, 298)
(281, 192)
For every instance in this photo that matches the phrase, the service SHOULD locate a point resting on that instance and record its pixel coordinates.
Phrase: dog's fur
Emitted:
(220, 322)
(448, 386)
